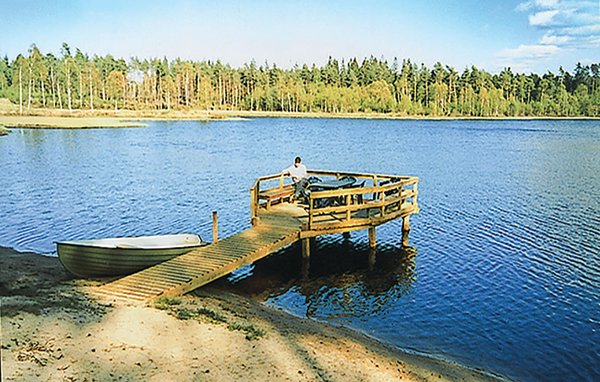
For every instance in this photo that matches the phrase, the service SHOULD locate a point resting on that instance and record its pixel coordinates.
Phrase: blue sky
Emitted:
(526, 35)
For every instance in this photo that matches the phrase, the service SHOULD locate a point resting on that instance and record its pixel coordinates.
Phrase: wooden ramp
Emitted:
(199, 267)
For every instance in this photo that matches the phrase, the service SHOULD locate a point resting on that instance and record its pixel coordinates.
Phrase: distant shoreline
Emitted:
(384, 116)
(52, 122)
(46, 119)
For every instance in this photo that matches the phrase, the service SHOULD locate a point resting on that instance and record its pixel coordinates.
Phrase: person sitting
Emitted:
(299, 176)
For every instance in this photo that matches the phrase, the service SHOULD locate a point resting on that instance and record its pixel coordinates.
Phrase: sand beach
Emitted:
(53, 331)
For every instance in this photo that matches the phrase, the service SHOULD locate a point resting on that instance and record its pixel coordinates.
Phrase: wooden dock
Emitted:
(276, 223)
(199, 267)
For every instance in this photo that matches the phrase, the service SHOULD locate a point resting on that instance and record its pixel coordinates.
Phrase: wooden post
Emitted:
(215, 227)
(405, 239)
(406, 224)
(311, 201)
(372, 258)
(348, 213)
(346, 235)
(372, 239)
(253, 203)
(375, 196)
(305, 248)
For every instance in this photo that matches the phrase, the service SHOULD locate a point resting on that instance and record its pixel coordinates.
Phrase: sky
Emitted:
(525, 35)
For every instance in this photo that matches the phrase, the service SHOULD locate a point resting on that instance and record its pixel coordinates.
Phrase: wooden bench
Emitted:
(276, 195)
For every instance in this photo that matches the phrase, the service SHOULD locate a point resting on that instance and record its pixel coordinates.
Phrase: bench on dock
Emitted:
(276, 195)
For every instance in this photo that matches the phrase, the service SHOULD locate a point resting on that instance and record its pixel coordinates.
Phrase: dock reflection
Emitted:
(342, 277)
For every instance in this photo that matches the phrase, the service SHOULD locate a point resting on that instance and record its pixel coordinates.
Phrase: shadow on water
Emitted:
(342, 277)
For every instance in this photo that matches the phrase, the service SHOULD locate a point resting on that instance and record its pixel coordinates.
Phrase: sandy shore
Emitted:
(52, 331)
(56, 122)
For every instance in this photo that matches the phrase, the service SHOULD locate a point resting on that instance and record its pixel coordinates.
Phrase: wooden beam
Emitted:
(405, 239)
(305, 248)
(215, 227)
(406, 223)
(253, 202)
(372, 239)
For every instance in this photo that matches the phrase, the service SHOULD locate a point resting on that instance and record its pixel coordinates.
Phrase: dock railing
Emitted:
(372, 200)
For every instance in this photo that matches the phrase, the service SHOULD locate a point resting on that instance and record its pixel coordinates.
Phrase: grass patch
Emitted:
(183, 311)
(252, 332)
(212, 315)
(165, 303)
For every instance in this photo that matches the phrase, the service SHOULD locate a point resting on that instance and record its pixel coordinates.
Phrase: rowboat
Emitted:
(122, 255)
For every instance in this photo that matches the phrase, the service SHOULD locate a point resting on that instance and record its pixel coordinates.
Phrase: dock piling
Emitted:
(372, 238)
(406, 224)
(405, 239)
(372, 258)
(215, 227)
(305, 248)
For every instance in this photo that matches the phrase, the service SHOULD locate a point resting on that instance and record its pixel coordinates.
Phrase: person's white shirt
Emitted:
(297, 172)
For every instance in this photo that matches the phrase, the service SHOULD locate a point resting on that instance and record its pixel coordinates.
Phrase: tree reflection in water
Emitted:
(341, 279)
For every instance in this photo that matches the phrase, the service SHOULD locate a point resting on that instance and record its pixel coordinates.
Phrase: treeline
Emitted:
(77, 81)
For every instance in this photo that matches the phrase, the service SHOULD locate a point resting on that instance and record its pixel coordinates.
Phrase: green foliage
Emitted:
(78, 81)
(211, 314)
(165, 303)
(252, 332)
(181, 311)
(184, 313)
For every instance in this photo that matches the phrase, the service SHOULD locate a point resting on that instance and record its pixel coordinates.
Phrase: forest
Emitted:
(76, 81)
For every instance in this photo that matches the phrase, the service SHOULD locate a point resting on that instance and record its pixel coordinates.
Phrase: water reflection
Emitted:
(342, 278)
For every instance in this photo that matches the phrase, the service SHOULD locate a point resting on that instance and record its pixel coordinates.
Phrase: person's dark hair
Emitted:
(297, 160)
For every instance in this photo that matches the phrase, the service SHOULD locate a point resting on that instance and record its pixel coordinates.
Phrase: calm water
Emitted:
(503, 268)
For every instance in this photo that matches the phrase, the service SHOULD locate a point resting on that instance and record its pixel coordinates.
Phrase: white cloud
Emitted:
(566, 26)
(546, 3)
(543, 18)
(555, 40)
(595, 42)
(536, 51)
(526, 57)
(524, 7)
(528, 5)
(583, 31)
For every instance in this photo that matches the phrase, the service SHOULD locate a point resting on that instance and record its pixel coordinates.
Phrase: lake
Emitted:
(502, 271)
